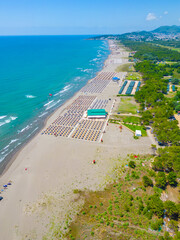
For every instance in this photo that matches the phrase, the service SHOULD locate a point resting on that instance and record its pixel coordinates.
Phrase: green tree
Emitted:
(147, 181)
(132, 164)
(171, 209)
(171, 178)
(177, 108)
(155, 225)
(155, 204)
(161, 180)
(173, 225)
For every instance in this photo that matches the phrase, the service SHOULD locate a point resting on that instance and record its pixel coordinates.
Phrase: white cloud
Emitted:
(151, 16)
(166, 12)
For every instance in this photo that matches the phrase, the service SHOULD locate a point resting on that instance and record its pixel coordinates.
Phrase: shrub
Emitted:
(141, 206)
(161, 180)
(132, 164)
(167, 236)
(173, 225)
(151, 173)
(134, 175)
(155, 225)
(172, 178)
(147, 181)
(155, 204)
(171, 209)
(112, 224)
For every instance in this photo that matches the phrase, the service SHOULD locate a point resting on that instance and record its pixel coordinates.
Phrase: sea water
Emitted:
(37, 75)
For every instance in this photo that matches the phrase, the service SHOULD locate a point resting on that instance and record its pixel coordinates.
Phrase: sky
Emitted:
(82, 17)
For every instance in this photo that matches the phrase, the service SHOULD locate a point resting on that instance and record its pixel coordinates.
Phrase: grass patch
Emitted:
(135, 127)
(131, 119)
(134, 76)
(128, 105)
(126, 119)
(124, 68)
(125, 95)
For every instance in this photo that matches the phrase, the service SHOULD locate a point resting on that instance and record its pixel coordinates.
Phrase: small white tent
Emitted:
(138, 133)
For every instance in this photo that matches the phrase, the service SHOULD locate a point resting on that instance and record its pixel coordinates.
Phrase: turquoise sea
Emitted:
(31, 69)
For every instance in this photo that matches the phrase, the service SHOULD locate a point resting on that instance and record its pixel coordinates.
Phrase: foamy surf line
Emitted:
(7, 120)
(65, 89)
(30, 96)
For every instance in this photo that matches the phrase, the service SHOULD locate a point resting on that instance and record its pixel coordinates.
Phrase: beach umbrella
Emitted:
(5, 186)
(9, 183)
(116, 78)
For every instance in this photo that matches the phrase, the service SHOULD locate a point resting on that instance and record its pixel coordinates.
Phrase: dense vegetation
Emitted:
(169, 43)
(149, 51)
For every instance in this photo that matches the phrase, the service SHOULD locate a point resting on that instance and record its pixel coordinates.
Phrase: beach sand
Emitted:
(48, 169)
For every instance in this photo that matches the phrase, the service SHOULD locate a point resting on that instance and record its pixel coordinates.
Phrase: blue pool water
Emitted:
(31, 68)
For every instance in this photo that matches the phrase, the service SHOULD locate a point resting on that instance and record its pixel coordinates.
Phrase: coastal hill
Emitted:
(167, 30)
(163, 32)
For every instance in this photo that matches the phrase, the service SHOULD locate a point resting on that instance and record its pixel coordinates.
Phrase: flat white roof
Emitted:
(138, 132)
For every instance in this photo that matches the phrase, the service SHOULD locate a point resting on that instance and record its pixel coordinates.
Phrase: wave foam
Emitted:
(8, 120)
(65, 89)
(52, 105)
(77, 79)
(48, 103)
(30, 96)
(43, 114)
(1, 117)
(5, 149)
(23, 129)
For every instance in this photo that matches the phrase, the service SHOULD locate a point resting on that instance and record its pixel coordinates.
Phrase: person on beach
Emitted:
(120, 127)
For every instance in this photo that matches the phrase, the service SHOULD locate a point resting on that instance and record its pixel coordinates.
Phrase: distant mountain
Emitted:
(164, 32)
(167, 30)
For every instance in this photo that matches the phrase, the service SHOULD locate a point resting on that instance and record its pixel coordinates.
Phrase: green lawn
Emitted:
(131, 119)
(128, 105)
(133, 76)
(134, 128)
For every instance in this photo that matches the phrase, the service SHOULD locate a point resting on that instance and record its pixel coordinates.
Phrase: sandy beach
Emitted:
(48, 168)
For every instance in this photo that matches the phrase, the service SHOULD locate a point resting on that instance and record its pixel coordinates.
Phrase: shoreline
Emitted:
(8, 161)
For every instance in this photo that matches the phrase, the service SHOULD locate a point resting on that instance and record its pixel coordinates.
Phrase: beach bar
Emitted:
(96, 113)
